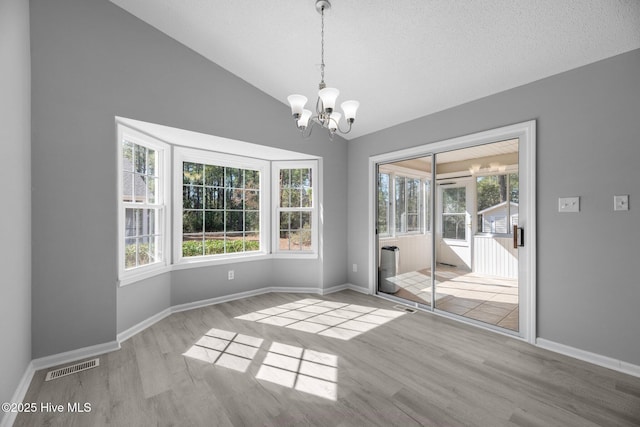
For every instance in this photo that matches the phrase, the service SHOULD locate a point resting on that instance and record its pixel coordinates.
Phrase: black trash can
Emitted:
(389, 259)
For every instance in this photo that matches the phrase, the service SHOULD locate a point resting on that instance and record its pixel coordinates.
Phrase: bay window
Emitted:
(143, 214)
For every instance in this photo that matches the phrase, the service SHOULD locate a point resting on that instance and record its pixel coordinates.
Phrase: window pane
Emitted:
(214, 176)
(130, 253)
(401, 225)
(234, 221)
(127, 156)
(142, 227)
(305, 231)
(151, 162)
(514, 188)
(152, 185)
(252, 200)
(284, 242)
(192, 247)
(192, 197)
(214, 224)
(491, 191)
(127, 187)
(412, 222)
(252, 221)
(143, 251)
(285, 178)
(192, 223)
(307, 198)
(192, 173)
(214, 246)
(140, 159)
(233, 178)
(296, 194)
(285, 196)
(495, 214)
(251, 179)
(413, 195)
(453, 226)
(252, 241)
(213, 198)
(295, 198)
(295, 220)
(454, 200)
(427, 204)
(154, 249)
(285, 220)
(383, 203)
(234, 199)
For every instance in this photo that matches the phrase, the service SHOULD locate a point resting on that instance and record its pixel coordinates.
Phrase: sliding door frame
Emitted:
(526, 133)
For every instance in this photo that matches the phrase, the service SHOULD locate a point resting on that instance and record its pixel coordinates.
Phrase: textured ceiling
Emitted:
(401, 59)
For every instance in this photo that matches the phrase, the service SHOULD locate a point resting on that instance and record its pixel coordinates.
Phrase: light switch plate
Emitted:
(621, 203)
(569, 204)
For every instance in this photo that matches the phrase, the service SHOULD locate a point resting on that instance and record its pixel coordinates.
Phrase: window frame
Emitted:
(276, 167)
(185, 154)
(510, 170)
(423, 201)
(390, 205)
(163, 153)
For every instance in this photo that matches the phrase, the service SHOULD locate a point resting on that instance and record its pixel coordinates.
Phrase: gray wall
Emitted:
(588, 136)
(15, 187)
(92, 61)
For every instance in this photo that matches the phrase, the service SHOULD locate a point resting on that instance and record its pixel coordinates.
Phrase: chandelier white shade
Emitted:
(325, 115)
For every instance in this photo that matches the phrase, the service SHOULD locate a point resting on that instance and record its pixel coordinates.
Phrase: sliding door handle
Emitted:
(518, 237)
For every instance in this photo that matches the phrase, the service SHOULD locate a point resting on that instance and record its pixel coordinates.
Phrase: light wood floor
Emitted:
(416, 369)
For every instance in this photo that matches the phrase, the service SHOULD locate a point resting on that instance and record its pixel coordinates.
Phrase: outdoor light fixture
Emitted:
(325, 115)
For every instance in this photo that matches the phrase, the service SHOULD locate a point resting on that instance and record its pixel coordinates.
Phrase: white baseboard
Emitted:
(360, 289)
(125, 335)
(19, 395)
(587, 356)
(218, 300)
(74, 355)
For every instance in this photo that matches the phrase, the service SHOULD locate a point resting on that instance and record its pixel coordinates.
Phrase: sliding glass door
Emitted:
(404, 246)
(447, 235)
(476, 266)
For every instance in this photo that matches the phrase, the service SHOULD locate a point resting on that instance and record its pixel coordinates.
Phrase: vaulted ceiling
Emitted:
(401, 59)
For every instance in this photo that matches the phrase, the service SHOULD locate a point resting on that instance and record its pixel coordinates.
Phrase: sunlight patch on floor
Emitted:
(305, 370)
(327, 318)
(226, 349)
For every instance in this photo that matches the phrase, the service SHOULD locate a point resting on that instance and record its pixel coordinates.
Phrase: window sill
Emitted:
(186, 263)
(295, 255)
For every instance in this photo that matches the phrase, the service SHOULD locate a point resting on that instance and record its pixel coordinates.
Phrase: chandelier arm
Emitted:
(309, 128)
(338, 126)
(344, 132)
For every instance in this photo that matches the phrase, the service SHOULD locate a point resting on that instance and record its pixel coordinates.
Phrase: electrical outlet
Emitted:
(230, 275)
(355, 268)
(569, 204)
(621, 203)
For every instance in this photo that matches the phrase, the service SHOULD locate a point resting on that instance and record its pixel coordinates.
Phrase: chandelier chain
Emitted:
(322, 47)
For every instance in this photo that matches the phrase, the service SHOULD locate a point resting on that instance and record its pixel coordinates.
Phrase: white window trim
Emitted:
(162, 149)
(275, 226)
(394, 171)
(182, 154)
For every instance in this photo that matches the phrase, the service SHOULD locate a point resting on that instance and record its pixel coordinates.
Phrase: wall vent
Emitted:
(68, 370)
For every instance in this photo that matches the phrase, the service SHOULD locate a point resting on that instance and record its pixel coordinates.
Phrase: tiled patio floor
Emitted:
(492, 300)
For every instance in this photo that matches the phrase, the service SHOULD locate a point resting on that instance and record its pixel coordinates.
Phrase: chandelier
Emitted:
(325, 115)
